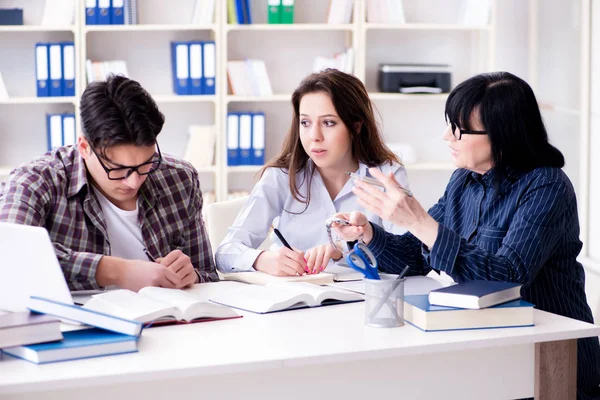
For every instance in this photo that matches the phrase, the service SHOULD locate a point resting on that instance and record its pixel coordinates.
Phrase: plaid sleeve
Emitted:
(26, 198)
(200, 250)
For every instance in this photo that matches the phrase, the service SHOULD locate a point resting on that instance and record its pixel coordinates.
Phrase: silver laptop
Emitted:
(29, 267)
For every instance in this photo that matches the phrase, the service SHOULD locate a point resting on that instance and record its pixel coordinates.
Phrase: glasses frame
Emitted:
(454, 128)
(131, 169)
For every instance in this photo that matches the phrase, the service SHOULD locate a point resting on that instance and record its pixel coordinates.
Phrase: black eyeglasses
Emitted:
(457, 132)
(116, 174)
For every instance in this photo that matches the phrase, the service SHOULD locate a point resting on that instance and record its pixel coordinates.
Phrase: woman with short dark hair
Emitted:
(509, 212)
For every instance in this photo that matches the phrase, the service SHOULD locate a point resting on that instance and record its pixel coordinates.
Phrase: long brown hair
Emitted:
(351, 101)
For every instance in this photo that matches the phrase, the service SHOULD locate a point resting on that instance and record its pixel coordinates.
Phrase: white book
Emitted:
(157, 304)
(200, 148)
(58, 13)
(396, 12)
(338, 11)
(476, 12)
(3, 90)
(260, 76)
(282, 296)
(239, 78)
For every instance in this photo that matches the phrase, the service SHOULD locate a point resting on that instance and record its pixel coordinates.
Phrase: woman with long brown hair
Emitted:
(333, 132)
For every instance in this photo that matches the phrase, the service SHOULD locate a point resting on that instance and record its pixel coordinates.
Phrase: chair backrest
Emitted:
(219, 216)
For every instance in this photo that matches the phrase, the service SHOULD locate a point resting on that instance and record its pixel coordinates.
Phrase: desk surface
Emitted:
(255, 342)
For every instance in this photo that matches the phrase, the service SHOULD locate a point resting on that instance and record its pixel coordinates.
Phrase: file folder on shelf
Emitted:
(181, 67)
(68, 64)
(54, 125)
(233, 122)
(69, 133)
(273, 14)
(245, 139)
(91, 18)
(56, 78)
(41, 70)
(258, 139)
(287, 11)
(103, 12)
(196, 78)
(117, 12)
(209, 67)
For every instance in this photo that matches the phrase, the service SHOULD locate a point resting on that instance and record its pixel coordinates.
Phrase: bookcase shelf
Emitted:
(37, 28)
(148, 27)
(290, 27)
(428, 27)
(40, 100)
(288, 51)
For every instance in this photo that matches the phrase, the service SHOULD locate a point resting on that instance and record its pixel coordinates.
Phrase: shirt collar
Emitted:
(488, 179)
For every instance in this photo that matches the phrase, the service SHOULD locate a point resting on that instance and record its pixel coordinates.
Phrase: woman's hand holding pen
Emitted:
(283, 262)
(358, 228)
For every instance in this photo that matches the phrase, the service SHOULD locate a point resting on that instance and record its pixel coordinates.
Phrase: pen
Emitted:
(282, 239)
(375, 182)
(149, 255)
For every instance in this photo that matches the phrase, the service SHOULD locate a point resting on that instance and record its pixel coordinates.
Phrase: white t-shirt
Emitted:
(123, 229)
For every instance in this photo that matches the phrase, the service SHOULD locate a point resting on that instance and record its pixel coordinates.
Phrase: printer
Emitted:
(414, 78)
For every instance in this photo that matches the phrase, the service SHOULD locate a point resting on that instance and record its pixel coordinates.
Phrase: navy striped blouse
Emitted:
(521, 228)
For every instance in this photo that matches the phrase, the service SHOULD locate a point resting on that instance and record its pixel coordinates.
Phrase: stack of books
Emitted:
(470, 305)
(110, 12)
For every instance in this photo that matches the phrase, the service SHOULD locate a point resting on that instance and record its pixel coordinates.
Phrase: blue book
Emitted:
(86, 316)
(84, 343)
(180, 63)
(475, 294)
(427, 317)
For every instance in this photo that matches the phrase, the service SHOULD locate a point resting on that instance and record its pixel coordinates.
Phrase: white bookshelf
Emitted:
(429, 36)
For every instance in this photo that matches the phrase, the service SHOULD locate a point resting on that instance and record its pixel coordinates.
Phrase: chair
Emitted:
(219, 216)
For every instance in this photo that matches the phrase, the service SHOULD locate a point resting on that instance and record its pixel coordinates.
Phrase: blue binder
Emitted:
(103, 12)
(209, 67)
(55, 70)
(245, 139)
(196, 61)
(42, 68)
(68, 68)
(54, 130)
(117, 12)
(181, 67)
(258, 139)
(69, 132)
(233, 139)
(91, 18)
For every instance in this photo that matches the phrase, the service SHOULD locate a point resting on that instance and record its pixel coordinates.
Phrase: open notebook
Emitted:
(157, 304)
(281, 296)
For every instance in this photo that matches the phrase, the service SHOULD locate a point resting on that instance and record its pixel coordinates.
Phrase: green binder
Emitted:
(287, 11)
(274, 16)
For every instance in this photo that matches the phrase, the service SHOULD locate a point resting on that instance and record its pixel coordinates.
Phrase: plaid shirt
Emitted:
(53, 191)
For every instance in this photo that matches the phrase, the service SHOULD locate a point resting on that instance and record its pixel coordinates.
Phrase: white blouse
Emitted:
(272, 203)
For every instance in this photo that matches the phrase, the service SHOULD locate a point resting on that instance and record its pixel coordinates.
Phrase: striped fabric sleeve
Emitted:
(394, 252)
(533, 234)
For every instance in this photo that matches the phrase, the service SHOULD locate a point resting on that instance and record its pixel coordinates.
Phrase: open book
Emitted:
(282, 296)
(261, 278)
(157, 304)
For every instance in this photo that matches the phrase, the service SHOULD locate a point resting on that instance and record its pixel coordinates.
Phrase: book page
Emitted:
(127, 304)
(318, 294)
(191, 307)
(262, 299)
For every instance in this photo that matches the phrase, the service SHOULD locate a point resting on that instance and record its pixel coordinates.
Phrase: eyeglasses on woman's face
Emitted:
(458, 132)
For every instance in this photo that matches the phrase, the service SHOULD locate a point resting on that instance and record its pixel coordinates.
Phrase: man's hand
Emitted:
(136, 274)
(179, 263)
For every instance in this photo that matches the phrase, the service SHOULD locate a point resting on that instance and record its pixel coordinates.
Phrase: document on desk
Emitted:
(413, 285)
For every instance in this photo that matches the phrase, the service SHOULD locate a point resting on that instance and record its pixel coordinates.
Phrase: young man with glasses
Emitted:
(117, 210)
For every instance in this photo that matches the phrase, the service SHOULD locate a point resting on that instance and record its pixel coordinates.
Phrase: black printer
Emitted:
(414, 78)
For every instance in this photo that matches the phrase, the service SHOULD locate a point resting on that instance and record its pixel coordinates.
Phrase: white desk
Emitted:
(307, 354)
